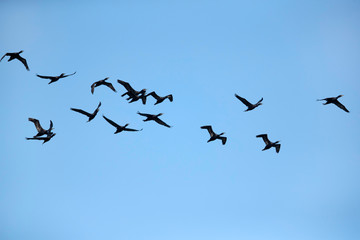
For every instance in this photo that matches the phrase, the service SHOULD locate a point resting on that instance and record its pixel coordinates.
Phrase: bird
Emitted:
(132, 93)
(120, 128)
(90, 115)
(160, 99)
(102, 82)
(55, 78)
(16, 55)
(153, 117)
(40, 130)
(214, 136)
(45, 139)
(268, 143)
(249, 105)
(335, 101)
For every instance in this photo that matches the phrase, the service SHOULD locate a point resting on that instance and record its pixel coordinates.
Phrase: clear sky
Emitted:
(169, 184)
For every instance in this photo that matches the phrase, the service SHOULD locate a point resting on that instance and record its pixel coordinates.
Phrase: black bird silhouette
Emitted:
(249, 105)
(155, 118)
(102, 82)
(132, 93)
(335, 101)
(160, 99)
(45, 139)
(120, 128)
(268, 143)
(90, 115)
(17, 56)
(40, 130)
(55, 78)
(214, 136)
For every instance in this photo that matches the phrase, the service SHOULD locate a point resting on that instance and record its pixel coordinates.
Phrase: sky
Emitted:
(169, 183)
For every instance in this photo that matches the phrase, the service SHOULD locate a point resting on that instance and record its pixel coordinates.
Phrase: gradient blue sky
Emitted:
(161, 184)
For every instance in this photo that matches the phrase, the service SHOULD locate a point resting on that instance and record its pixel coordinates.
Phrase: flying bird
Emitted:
(17, 56)
(155, 118)
(160, 99)
(120, 128)
(214, 136)
(132, 93)
(249, 105)
(90, 115)
(40, 130)
(45, 139)
(335, 101)
(102, 82)
(55, 78)
(269, 144)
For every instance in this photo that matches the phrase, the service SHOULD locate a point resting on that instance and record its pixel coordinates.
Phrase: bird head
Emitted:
(21, 51)
(276, 142)
(159, 114)
(339, 96)
(221, 133)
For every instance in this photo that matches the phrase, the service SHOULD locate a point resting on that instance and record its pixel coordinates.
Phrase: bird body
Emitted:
(102, 82)
(335, 101)
(160, 99)
(120, 128)
(248, 104)
(268, 143)
(152, 117)
(55, 78)
(213, 135)
(90, 115)
(16, 55)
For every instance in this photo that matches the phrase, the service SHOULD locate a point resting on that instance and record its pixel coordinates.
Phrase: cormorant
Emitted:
(17, 56)
(160, 99)
(90, 115)
(249, 105)
(45, 139)
(120, 128)
(133, 94)
(40, 130)
(214, 136)
(102, 82)
(335, 101)
(55, 78)
(155, 118)
(268, 143)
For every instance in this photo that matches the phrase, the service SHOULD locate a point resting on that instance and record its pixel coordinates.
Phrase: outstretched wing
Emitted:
(223, 140)
(37, 124)
(23, 60)
(6, 54)
(111, 122)
(126, 86)
(209, 128)
(144, 114)
(51, 125)
(154, 95)
(81, 111)
(264, 137)
(277, 147)
(159, 121)
(337, 103)
(45, 77)
(243, 100)
(170, 97)
(132, 130)
(110, 86)
(260, 100)
(93, 87)
(68, 75)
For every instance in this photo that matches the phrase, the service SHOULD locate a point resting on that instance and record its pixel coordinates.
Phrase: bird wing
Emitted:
(159, 121)
(110, 86)
(51, 125)
(111, 122)
(132, 130)
(6, 54)
(154, 95)
(81, 111)
(264, 137)
(144, 114)
(68, 75)
(337, 103)
(170, 97)
(23, 60)
(45, 77)
(243, 100)
(277, 147)
(209, 128)
(223, 140)
(126, 86)
(93, 87)
(260, 100)
(37, 124)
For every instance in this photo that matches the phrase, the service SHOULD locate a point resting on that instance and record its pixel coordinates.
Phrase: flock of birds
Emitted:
(133, 96)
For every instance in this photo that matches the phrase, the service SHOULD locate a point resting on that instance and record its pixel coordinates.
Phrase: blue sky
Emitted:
(87, 183)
